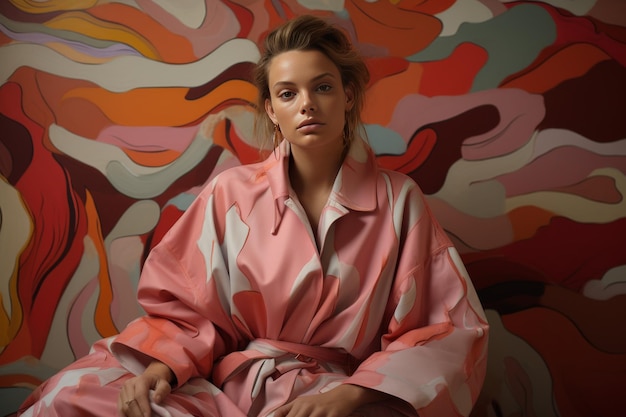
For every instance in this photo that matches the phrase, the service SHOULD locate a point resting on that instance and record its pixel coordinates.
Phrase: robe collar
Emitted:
(354, 187)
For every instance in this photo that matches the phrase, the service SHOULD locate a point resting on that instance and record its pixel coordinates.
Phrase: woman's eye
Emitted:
(286, 94)
(325, 88)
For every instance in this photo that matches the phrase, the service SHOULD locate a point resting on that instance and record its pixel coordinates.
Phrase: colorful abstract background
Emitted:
(511, 115)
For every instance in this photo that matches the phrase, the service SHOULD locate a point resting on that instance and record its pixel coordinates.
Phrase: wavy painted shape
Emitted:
(382, 23)
(204, 25)
(63, 345)
(80, 308)
(168, 45)
(562, 352)
(462, 12)
(526, 29)
(325, 5)
(87, 25)
(612, 284)
(574, 207)
(48, 6)
(585, 252)
(462, 227)
(570, 62)
(127, 177)
(154, 106)
(191, 13)
(94, 50)
(148, 139)
(518, 113)
(443, 78)
(577, 7)
(482, 195)
(609, 11)
(16, 229)
(128, 72)
(51, 255)
(550, 139)
(527, 221)
(389, 90)
(551, 173)
(518, 379)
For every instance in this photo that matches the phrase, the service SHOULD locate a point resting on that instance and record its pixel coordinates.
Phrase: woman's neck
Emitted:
(314, 169)
(312, 175)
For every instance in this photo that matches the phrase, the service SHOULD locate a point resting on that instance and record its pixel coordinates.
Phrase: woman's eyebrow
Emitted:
(316, 78)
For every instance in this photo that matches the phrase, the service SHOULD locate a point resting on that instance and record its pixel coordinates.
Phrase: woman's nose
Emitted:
(307, 104)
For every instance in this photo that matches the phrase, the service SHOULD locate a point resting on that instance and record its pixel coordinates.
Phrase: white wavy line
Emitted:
(551, 139)
(125, 73)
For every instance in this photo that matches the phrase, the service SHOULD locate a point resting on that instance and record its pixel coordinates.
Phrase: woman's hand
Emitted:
(134, 399)
(341, 401)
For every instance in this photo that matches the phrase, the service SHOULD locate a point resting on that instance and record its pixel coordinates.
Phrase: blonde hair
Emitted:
(310, 33)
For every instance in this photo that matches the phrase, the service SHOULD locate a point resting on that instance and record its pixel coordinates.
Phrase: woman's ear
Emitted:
(270, 111)
(349, 92)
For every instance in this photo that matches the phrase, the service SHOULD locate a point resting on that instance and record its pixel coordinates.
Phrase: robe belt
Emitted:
(235, 362)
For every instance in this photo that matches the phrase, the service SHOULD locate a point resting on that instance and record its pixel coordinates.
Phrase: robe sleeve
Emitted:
(187, 323)
(434, 350)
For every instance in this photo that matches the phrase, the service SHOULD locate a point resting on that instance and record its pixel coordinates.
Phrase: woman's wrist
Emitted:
(161, 370)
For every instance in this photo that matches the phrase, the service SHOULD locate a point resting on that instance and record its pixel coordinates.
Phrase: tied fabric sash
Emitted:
(259, 349)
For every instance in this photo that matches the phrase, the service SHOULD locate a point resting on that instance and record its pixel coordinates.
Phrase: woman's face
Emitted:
(307, 99)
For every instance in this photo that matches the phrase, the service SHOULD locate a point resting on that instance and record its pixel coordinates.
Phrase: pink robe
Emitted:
(249, 313)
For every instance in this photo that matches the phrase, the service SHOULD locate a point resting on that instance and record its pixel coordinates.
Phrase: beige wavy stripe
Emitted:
(468, 11)
(190, 13)
(125, 73)
(575, 207)
(484, 197)
(470, 186)
(125, 175)
(549, 139)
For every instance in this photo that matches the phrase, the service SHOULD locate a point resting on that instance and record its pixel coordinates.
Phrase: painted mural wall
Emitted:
(510, 115)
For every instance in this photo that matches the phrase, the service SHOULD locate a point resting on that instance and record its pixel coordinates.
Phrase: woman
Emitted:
(311, 284)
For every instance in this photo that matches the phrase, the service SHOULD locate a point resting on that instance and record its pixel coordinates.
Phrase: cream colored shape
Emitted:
(470, 186)
(574, 207)
(191, 13)
(16, 229)
(503, 346)
(612, 283)
(549, 139)
(124, 73)
(467, 11)
(124, 174)
(139, 219)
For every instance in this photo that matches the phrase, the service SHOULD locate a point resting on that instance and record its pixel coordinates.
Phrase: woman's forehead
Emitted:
(301, 66)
